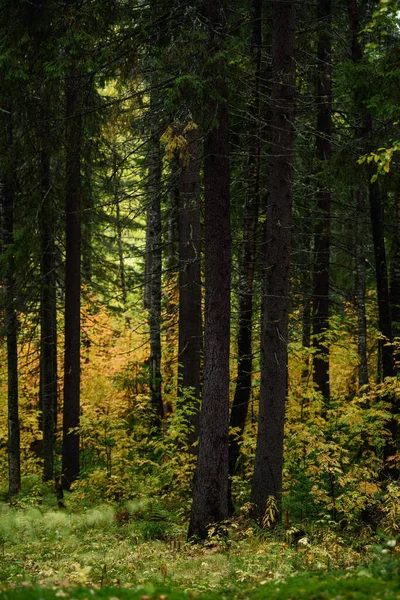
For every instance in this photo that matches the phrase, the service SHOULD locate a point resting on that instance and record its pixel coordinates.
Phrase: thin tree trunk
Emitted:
(395, 291)
(360, 289)
(147, 261)
(306, 339)
(171, 287)
(122, 278)
(190, 318)
(7, 192)
(382, 280)
(71, 412)
(384, 308)
(48, 309)
(155, 248)
(322, 228)
(395, 266)
(267, 478)
(249, 249)
(210, 494)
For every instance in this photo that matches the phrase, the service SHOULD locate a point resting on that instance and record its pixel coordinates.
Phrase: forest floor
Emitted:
(138, 551)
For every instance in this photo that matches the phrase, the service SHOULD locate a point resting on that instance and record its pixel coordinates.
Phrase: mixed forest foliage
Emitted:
(200, 266)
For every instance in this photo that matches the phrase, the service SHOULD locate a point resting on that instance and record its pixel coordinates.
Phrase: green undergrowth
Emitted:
(304, 587)
(138, 549)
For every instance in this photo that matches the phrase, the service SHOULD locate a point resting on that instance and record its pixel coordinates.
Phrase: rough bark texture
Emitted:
(190, 318)
(7, 193)
(48, 309)
(267, 479)
(210, 494)
(71, 412)
(249, 250)
(155, 248)
(323, 214)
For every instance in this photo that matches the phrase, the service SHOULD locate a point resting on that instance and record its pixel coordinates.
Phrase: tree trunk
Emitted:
(307, 285)
(360, 289)
(249, 249)
(7, 192)
(119, 227)
(384, 308)
(48, 308)
(395, 267)
(210, 494)
(147, 260)
(322, 228)
(71, 412)
(171, 287)
(155, 249)
(267, 479)
(190, 318)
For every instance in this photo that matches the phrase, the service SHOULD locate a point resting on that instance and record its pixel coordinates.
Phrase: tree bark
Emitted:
(48, 307)
(121, 261)
(7, 192)
(360, 289)
(190, 318)
(210, 494)
(71, 412)
(249, 250)
(382, 280)
(155, 248)
(171, 287)
(147, 261)
(267, 478)
(322, 239)
(395, 267)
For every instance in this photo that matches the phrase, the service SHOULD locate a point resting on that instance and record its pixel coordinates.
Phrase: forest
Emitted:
(199, 299)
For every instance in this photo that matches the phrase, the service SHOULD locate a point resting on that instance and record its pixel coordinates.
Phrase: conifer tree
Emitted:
(210, 493)
(267, 478)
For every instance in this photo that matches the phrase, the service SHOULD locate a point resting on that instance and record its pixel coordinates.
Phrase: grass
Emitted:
(303, 587)
(138, 551)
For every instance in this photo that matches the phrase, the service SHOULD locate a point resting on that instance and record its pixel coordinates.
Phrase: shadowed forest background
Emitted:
(200, 269)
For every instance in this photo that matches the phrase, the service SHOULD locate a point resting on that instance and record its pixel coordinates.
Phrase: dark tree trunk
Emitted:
(267, 479)
(71, 412)
(360, 289)
(322, 229)
(190, 319)
(48, 308)
(122, 277)
(147, 259)
(384, 308)
(119, 227)
(171, 287)
(395, 267)
(307, 284)
(210, 494)
(87, 226)
(7, 193)
(249, 250)
(155, 249)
